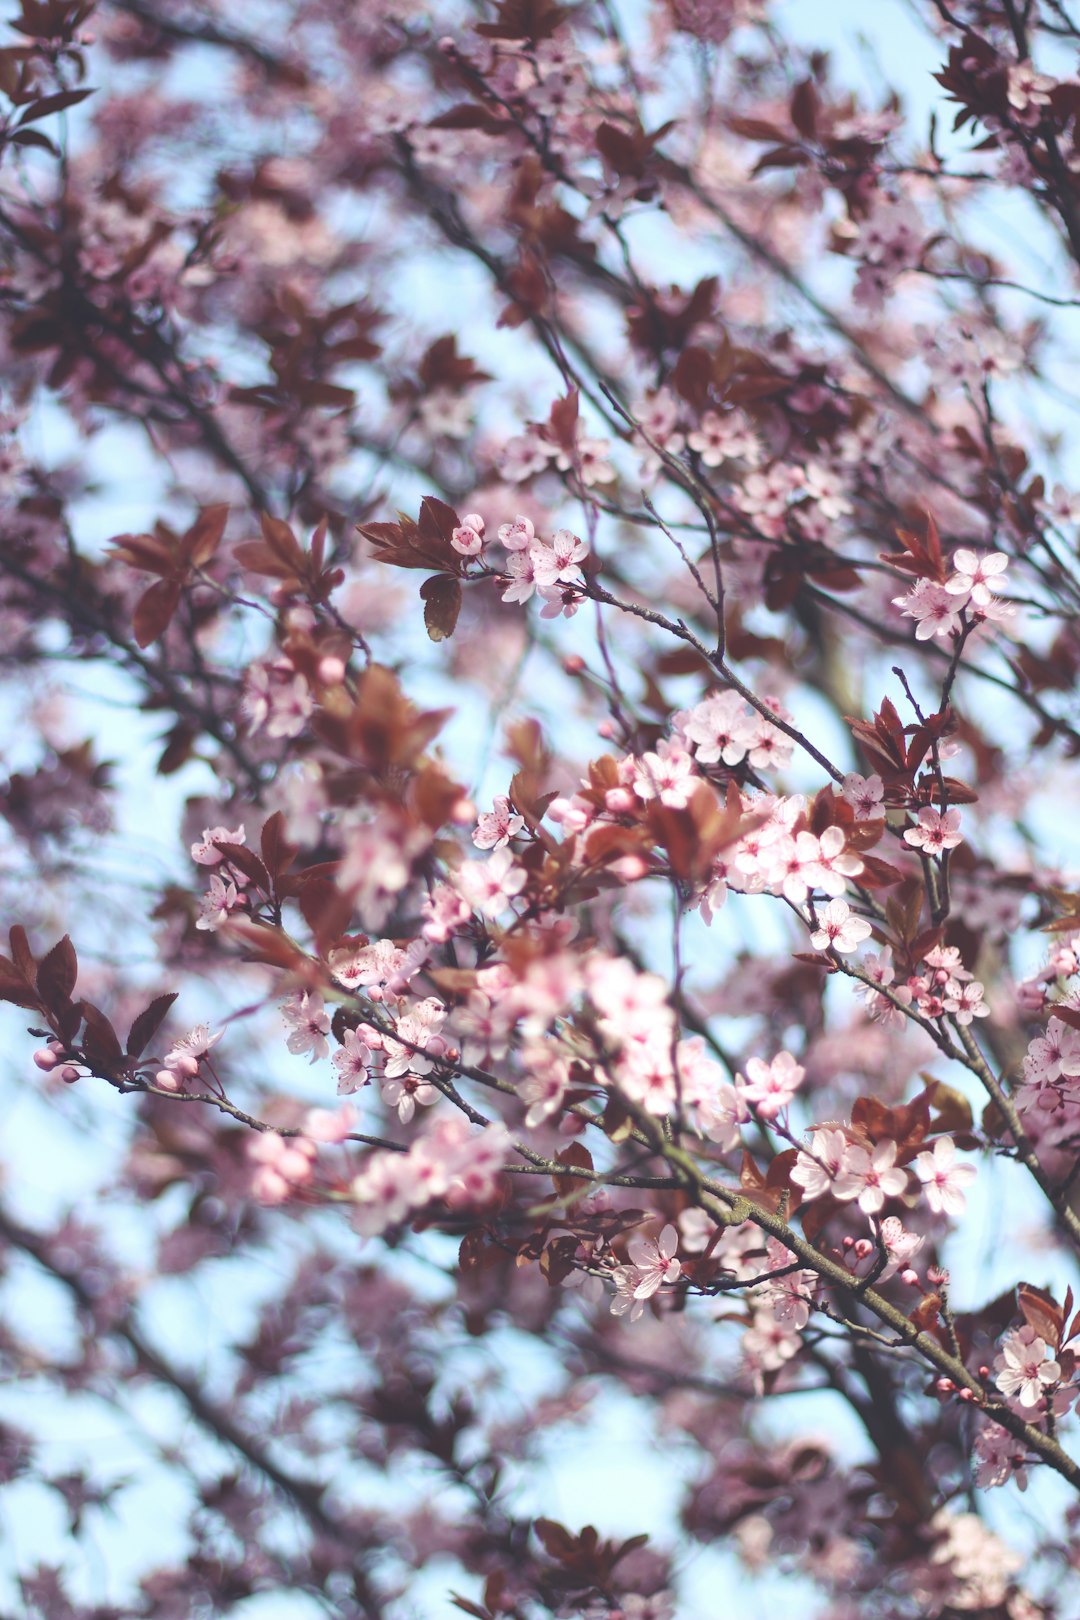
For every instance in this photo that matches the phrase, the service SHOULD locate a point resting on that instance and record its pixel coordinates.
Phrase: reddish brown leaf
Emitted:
(1041, 1312)
(56, 975)
(154, 610)
(441, 596)
(203, 538)
(147, 1024)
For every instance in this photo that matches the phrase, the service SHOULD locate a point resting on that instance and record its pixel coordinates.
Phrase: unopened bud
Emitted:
(167, 1080)
(574, 664)
(967, 1394)
(944, 1386)
(911, 1278)
(606, 729)
(331, 670)
(630, 868)
(863, 1248)
(46, 1058)
(69, 1074)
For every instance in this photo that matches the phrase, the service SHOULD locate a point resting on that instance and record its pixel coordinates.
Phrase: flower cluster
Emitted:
(450, 1162)
(968, 596)
(848, 1169)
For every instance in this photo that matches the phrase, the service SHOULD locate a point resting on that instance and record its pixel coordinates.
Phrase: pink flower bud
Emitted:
(167, 1080)
(574, 664)
(911, 1278)
(69, 1074)
(331, 671)
(630, 869)
(464, 813)
(619, 801)
(46, 1058)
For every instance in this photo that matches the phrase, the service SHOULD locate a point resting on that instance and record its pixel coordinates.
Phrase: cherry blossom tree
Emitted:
(541, 650)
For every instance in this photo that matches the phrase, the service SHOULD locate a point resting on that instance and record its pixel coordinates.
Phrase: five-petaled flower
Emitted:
(309, 1024)
(489, 886)
(935, 832)
(770, 1086)
(1026, 1368)
(943, 1178)
(655, 1260)
(838, 929)
(976, 573)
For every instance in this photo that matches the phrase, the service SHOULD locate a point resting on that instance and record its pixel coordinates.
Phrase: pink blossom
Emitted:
(770, 1086)
(696, 1230)
(405, 1093)
(1028, 92)
(522, 457)
(1053, 1055)
(521, 572)
(975, 573)
(999, 1458)
(725, 438)
(870, 1176)
(827, 489)
(937, 611)
(328, 1124)
(517, 536)
(291, 705)
(216, 905)
(309, 1024)
(445, 911)
(935, 832)
(285, 1163)
(416, 1044)
(490, 885)
(719, 728)
(625, 1301)
(943, 1179)
(468, 539)
(1026, 1367)
(667, 775)
(902, 1246)
(185, 1054)
(204, 852)
(497, 827)
(544, 1086)
(818, 1167)
(351, 1060)
(557, 563)
(965, 1001)
(864, 794)
(767, 1344)
(655, 1261)
(838, 929)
